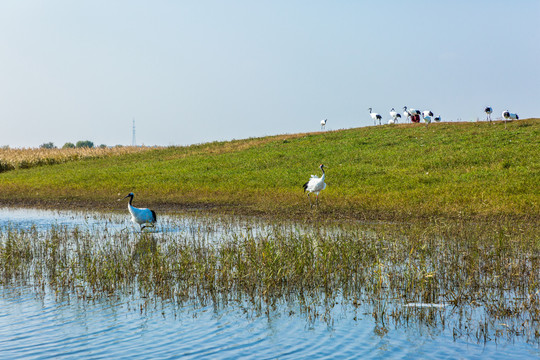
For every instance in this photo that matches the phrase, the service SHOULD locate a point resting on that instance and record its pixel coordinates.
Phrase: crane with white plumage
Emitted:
(395, 115)
(142, 216)
(375, 117)
(412, 114)
(426, 115)
(315, 185)
(488, 110)
(507, 115)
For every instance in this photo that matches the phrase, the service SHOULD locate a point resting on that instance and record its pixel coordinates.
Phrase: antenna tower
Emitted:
(133, 142)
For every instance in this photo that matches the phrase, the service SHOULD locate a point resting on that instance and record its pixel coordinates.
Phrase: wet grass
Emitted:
(402, 172)
(478, 281)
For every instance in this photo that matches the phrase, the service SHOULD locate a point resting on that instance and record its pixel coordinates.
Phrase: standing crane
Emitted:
(375, 117)
(395, 115)
(427, 114)
(412, 114)
(144, 217)
(315, 185)
(323, 124)
(507, 115)
(488, 110)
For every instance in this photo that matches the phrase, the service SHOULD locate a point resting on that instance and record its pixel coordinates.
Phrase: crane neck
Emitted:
(323, 174)
(130, 200)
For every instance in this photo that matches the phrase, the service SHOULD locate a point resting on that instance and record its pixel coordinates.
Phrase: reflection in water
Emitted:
(103, 289)
(51, 325)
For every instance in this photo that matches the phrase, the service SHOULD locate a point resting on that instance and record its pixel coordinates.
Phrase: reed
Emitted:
(475, 280)
(25, 158)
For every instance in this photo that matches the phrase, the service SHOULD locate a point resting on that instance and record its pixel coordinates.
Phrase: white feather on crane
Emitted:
(395, 115)
(315, 185)
(507, 115)
(375, 117)
(411, 114)
(323, 124)
(144, 217)
(426, 115)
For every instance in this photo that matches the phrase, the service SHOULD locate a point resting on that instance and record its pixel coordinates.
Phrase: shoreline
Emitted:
(324, 214)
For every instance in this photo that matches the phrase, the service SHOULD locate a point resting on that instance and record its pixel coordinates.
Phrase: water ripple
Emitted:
(53, 325)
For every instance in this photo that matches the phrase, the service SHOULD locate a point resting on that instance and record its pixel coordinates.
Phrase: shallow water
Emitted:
(61, 327)
(47, 324)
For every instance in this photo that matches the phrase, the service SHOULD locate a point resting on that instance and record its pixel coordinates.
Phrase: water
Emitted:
(49, 324)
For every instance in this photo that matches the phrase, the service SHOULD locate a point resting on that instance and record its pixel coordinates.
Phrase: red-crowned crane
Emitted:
(323, 124)
(395, 115)
(315, 185)
(488, 110)
(143, 217)
(413, 114)
(375, 117)
(427, 114)
(437, 118)
(507, 115)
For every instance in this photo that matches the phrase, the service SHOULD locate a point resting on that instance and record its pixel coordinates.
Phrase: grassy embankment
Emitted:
(384, 172)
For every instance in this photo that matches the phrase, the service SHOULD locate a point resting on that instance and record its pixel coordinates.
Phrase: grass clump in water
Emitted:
(469, 278)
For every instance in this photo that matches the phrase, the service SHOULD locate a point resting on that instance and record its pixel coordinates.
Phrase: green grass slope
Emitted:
(384, 172)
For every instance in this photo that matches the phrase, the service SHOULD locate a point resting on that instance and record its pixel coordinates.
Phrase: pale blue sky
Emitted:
(199, 71)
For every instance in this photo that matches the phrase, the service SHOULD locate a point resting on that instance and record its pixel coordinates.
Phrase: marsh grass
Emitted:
(475, 280)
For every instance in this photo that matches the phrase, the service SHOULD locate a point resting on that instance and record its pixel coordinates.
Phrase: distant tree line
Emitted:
(70, 145)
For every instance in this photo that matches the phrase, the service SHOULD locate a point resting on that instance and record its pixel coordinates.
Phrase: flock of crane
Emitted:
(412, 115)
(426, 116)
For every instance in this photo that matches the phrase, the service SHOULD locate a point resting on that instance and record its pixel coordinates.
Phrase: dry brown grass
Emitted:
(11, 159)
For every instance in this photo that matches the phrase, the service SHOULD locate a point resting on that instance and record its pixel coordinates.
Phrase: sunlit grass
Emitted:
(386, 172)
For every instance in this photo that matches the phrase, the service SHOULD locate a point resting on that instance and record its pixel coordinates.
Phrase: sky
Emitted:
(198, 71)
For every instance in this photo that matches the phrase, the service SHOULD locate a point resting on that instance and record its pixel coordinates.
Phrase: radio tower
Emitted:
(133, 142)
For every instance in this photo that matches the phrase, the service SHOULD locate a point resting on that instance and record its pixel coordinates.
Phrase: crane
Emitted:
(144, 217)
(375, 117)
(315, 185)
(395, 115)
(488, 110)
(427, 114)
(413, 114)
(507, 115)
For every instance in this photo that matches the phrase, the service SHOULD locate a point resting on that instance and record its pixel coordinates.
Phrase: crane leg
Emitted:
(310, 204)
(146, 225)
